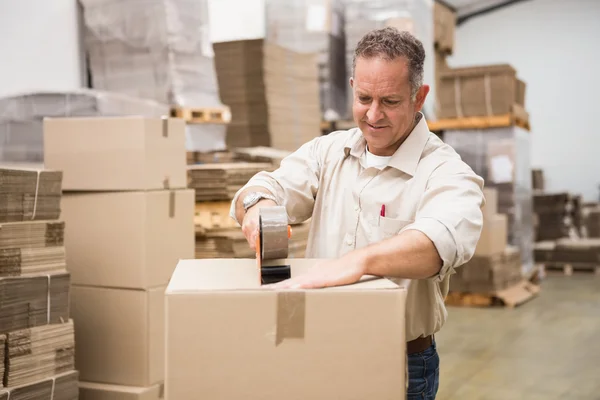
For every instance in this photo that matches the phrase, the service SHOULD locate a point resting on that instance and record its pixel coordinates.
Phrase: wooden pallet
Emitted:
(511, 297)
(483, 122)
(202, 115)
(568, 269)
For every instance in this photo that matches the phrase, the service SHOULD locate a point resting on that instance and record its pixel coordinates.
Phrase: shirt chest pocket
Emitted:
(388, 227)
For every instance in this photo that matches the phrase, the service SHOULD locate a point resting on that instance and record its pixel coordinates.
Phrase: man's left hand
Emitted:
(326, 273)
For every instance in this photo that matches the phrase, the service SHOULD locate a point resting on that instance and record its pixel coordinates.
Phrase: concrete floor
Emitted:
(548, 348)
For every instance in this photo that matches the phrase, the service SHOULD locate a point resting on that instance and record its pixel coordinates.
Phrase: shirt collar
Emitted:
(408, 154)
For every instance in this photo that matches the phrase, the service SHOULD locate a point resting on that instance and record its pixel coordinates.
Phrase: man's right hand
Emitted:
(250, 221)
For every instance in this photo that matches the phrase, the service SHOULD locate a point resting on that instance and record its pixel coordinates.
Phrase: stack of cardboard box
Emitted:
(444, 28)
(129, 219)
(273, 94)
(315, 26)
(592, 222)
(559, 215)
(37, 341)
(495, 265)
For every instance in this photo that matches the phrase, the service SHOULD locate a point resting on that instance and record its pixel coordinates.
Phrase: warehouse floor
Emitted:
(545, 349)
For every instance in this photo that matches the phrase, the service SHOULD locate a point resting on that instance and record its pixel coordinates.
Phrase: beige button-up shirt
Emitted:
(425, 186)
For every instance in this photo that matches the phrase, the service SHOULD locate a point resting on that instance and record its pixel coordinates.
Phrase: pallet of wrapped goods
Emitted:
(58, 387)
(29, 194)
(559, 215)
(33, 301)
(221, 181)
(37, 353)
(273, 94)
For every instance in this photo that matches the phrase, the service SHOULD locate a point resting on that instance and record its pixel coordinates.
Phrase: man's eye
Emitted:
(392, 102)
(364, 99)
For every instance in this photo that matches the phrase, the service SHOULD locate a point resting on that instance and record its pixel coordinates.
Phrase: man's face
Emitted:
(382, 107)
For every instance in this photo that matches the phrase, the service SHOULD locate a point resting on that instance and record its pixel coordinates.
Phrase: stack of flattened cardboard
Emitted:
(222, 180)
(592, 222)
(37, 335)
(128, 220)
(485, 90)
(59, 387)
(2, 357)
(28, 194)
(287, 332)
(32, 248)
(502, 157)
(559, 215)
(36, 353)
(231, 243)
(273, 94)
(196, 157)
(495, 265)
(583, 251)
(262, 154)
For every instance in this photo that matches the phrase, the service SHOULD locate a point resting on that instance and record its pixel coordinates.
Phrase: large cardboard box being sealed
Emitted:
(127, 239)
(229, 338)
(116, 153)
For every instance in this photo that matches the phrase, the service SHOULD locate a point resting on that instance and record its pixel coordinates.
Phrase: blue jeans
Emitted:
(423, 374)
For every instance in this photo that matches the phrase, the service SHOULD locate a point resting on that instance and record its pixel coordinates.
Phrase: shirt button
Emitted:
(356, 208)
(349, 241)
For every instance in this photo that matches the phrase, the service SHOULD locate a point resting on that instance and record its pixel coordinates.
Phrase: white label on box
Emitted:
(316, 18)
(501, 169)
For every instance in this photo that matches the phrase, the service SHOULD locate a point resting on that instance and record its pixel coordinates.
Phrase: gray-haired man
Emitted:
(388, 198)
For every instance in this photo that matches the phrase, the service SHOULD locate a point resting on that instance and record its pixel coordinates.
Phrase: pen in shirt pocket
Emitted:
(382, 212)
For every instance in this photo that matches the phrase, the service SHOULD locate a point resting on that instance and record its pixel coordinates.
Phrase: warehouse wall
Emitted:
(40, 46)
(552, 45)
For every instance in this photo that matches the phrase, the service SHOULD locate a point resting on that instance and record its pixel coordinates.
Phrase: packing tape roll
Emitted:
(274, 232)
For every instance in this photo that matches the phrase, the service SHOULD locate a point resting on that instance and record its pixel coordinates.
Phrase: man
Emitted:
(388, 198)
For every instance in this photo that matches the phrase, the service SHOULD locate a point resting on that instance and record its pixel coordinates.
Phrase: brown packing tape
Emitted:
(165, 127)
(172, 204)
(291, 313)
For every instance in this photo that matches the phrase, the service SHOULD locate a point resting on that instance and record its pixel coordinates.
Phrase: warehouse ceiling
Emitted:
(466, 9)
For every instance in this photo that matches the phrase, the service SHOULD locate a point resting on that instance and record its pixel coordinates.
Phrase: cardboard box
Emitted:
(119, 335)
(127, 239)
(490, 209)
(116, 153)
(99, 391)
(338, 343)
(493, 239)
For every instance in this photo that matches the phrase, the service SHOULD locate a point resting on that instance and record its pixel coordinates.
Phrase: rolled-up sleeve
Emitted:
(294, 184)
(450, 214)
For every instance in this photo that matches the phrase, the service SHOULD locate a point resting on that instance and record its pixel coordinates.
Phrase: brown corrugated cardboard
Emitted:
(127, 239)
(119, 335)
(336, 343)
(98, 391)
(118, 153)
(444, 27)
(490, 209)
(493, 239)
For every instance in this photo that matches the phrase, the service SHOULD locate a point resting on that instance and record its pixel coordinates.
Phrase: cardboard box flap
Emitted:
(242, 274)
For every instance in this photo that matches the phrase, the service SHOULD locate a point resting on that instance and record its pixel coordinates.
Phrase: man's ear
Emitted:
(421, 96)
(351, 82)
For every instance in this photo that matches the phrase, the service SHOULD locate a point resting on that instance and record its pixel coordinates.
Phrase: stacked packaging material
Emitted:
(485, 90)
(414, 16)
(577, 251)
(273, 94)
(222, 180)
(231, 243)
(315, 26)
(37, 340)
(262, 155)
(501, 157)
(21, 116)
(128, 220)
(495, 265)
(559, 215)
(159, 50)
(592, 222)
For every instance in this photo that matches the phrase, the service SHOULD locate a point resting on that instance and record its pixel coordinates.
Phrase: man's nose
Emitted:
(374, 113)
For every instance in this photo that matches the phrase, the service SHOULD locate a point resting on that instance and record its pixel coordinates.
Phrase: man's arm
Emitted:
(444, 234)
